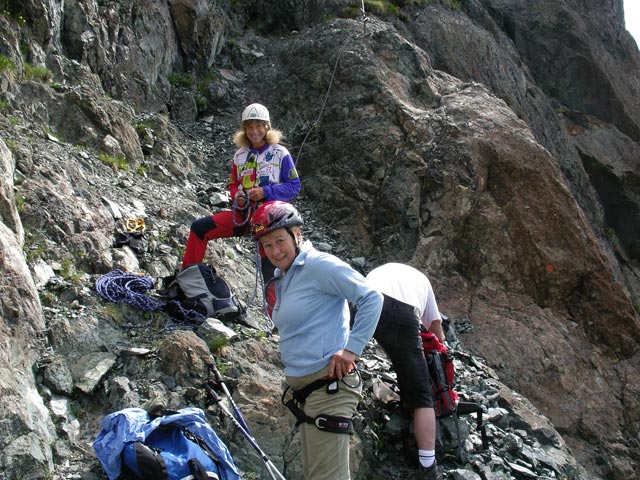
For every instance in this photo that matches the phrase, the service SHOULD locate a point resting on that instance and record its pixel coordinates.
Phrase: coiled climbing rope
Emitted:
(243, 212)
(132, 288)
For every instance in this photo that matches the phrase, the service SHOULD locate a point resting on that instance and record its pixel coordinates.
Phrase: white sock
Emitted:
(426, 457)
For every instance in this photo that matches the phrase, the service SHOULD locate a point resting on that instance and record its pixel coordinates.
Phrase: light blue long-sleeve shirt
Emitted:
(312, 314)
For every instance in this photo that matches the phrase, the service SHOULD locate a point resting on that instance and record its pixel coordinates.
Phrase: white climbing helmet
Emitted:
(255, 111)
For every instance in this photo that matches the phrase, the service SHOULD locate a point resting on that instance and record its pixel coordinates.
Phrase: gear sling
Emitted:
(326, 423)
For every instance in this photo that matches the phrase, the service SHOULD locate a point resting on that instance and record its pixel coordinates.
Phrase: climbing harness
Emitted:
(247, 209)
(131, 232)
(244, 212)
(326, 423)
(132, 288)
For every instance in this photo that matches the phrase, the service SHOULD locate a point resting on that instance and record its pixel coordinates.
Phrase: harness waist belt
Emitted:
(326, 423)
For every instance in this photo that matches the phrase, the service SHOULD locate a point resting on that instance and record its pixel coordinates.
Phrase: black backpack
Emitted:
(198, 287)
(170, 451)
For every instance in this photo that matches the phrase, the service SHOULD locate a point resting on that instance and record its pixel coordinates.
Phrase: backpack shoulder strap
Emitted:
(197, 470)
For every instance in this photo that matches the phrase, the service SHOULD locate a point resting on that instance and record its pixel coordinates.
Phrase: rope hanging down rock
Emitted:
(333, 74)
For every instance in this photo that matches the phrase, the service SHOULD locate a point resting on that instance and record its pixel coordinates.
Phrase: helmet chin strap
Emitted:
(295, 239)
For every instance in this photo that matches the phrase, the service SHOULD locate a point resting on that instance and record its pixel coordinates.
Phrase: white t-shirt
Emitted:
(408, 285)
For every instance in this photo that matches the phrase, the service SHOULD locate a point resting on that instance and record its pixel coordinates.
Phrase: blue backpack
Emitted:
(175, 445)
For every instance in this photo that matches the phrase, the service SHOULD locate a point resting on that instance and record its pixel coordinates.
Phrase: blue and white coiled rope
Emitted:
(132, 288)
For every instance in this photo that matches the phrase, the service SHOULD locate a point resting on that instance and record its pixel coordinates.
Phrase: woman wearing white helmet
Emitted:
(262, 170)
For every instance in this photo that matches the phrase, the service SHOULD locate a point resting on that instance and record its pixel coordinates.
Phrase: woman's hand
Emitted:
(341, 363)
(240, 199)
(256, 194)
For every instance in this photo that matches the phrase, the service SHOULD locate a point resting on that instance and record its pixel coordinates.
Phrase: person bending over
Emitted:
(409, 301)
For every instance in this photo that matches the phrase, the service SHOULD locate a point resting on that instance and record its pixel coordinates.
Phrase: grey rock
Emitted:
(90, 369)
(491, 144)
(213, 330)
(458, 474)
(57, 376)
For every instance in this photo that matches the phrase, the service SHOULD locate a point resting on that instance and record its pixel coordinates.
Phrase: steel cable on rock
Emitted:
(364, 19)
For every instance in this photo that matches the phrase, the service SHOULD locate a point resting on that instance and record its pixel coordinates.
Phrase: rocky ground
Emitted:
(167, 202)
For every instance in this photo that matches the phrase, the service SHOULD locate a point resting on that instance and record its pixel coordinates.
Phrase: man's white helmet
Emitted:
(255, 111)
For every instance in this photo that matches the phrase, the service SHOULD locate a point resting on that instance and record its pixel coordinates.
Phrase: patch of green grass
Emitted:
(48, 298)
(6, 64)
(163, 236)
(203, 83)
(381, 8)
(37, 72)
(69, 272)
(76, 410)
(201, 102)
(114, 312)
(6, 7)
(217, 343)
(222, 367)
(181, 80)
(59, 136)
(20, 203)
(392, 8)
(261, 336)
(139, 127)
(11, 145)
(35, 250)
(118, 163)
(141, 171)
(408, 3)
(452, 4)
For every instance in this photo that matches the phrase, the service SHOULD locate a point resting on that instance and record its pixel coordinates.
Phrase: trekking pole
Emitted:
(271, 468)
(220, 381)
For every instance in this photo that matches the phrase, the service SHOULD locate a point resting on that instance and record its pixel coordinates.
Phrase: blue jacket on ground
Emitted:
(135, 425)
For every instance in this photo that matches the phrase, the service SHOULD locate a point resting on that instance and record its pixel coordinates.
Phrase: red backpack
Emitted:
(446, 400)
(442, 374)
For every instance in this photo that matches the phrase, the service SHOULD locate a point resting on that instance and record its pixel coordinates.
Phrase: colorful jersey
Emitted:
(271, 167)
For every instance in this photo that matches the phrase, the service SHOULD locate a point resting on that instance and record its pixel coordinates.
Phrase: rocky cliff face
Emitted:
(492, 144)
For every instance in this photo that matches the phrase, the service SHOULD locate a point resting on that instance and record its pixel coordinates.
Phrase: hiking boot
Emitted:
(429, 473)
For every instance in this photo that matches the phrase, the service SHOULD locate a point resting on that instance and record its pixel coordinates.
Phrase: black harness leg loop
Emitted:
(326, 423)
